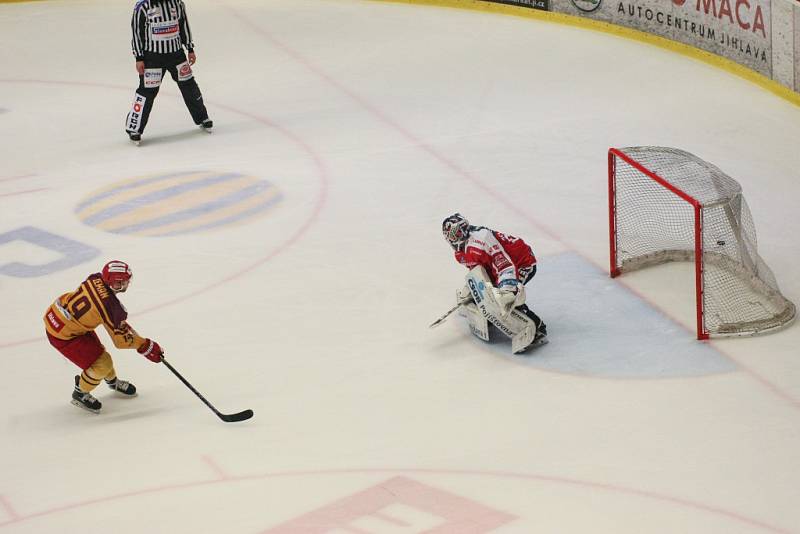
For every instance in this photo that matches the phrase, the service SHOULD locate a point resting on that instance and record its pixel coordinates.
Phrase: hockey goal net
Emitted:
(668, 205)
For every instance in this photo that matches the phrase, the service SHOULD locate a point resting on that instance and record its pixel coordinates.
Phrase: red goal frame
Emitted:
(613, 153)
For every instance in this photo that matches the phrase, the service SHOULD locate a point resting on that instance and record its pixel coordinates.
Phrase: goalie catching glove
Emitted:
(151, 350)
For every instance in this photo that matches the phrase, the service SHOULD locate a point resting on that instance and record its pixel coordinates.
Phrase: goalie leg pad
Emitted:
(510, 323)
(478, 324)
(523, 339)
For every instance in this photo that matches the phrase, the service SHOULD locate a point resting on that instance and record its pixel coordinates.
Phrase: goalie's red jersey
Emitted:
(505, 257)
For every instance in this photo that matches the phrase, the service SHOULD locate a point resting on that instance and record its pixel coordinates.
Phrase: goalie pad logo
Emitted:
(135, 115)
(477, 290)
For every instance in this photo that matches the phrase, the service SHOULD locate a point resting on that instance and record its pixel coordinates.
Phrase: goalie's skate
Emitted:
(135, 138)
(85, 400)
(538, 341)
(540, 338)
(123, 387)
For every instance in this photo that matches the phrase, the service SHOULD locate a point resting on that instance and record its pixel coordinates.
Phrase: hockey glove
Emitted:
(151, 350)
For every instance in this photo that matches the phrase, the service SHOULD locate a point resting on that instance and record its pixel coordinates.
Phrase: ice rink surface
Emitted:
(345, 132)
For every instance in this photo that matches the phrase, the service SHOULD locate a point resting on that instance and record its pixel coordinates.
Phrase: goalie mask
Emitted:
(456, 230)
(117, 275)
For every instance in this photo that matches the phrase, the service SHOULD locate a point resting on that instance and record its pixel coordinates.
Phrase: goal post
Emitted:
(667, 205)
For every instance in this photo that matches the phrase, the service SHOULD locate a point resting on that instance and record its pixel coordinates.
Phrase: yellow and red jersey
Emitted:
(92, 304)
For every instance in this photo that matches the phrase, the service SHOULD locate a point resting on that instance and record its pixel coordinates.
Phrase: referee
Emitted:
(160, 31)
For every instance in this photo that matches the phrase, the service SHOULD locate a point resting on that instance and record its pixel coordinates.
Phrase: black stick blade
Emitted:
(236, 417)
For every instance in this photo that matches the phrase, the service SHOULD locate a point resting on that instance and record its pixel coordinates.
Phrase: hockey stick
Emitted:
(444, 317)
(228, 418)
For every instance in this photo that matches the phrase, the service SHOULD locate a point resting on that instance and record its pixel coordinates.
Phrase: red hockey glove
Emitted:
(151, 350)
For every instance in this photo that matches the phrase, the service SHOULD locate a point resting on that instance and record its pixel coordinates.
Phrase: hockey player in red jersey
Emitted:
(70, 322)
(508, 261)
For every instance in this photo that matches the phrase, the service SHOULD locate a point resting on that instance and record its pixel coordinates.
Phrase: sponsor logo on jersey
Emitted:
(501, 261)
(179, 203)
(165, 28)
(54, 321)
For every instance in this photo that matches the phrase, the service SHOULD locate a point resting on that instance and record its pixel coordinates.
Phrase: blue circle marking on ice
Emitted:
(178, 203)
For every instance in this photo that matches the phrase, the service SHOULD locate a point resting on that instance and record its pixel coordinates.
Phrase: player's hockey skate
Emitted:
(123, 387)
(207, 125)
(135, 138)
(85, 400)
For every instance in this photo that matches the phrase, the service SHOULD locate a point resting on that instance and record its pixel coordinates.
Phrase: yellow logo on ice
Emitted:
(177, 203)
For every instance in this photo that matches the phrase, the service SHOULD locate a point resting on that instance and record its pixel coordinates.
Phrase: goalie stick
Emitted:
(444, 317)
(228, 418)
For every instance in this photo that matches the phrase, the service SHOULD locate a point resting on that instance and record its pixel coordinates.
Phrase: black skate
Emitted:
(207, 125)
(540, 338)
(541, 330)
(123, 387)
(135, 138)
(538, 341)
(85, 400)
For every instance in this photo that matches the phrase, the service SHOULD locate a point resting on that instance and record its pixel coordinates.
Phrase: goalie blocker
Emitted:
(488, 305)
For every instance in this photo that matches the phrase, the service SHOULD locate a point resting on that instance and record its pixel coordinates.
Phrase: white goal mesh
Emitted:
(668, 205)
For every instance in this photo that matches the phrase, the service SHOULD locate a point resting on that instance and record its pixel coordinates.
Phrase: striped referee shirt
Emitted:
(160, 26)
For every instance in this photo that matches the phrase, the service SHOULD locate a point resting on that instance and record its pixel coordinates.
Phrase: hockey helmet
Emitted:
(117, 275)
(456, 230)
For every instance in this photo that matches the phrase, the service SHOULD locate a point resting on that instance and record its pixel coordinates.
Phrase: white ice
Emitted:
(374, 121)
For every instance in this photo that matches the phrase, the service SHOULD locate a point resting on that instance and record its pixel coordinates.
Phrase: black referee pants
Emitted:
(181, 72)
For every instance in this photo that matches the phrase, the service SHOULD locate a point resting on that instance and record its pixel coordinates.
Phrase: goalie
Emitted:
(500, 266)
